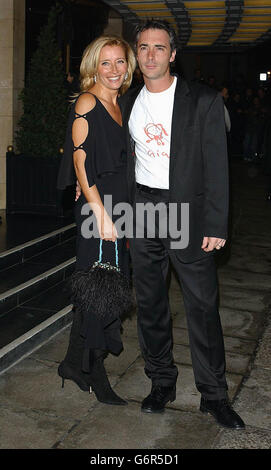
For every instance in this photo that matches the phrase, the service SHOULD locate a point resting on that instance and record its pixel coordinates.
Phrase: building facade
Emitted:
(12, 56)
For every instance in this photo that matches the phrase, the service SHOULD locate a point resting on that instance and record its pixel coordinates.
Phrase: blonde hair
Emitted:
(90, 60)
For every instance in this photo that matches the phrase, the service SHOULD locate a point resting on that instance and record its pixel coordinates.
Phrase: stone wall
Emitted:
(12, 54)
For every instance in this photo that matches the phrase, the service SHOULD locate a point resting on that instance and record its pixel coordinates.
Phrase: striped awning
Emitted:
(212, 23)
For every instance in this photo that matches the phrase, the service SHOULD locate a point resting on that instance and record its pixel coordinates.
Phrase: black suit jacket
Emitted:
(198, 172)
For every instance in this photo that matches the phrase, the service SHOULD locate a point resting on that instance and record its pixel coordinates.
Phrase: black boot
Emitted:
(70, 367)
(99, 381)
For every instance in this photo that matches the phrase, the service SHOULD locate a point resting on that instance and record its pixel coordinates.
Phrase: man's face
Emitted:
(154, 53)
(225, 93)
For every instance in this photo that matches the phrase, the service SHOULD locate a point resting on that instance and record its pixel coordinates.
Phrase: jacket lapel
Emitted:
(128, 103)
(180, 117)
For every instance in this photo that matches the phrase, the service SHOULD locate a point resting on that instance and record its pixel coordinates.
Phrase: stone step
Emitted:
(34, 293)
(25, 344)
(20, 253)
(21, 293)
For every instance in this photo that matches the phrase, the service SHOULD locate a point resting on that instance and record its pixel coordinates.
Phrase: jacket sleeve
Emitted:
(215, 165)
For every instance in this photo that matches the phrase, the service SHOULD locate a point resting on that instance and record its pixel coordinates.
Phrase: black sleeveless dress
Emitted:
(105, 166)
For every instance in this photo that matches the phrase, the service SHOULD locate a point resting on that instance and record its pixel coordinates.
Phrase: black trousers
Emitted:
(150, 260)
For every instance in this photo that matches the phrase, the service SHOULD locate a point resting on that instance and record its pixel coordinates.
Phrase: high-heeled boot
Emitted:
(70, 367)
(99, 381)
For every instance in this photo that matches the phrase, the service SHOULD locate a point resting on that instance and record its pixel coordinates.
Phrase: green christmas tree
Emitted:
(41, 129)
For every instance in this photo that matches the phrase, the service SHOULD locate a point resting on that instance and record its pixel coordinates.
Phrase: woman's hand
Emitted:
(107, 229)
(77, 191)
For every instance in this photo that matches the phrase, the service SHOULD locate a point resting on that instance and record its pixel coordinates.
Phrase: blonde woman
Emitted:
(95, 155)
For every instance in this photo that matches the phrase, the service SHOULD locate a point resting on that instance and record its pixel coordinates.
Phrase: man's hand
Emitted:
(77, 191)
(211, 243)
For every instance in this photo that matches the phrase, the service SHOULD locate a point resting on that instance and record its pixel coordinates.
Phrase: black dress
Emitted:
(105, 167)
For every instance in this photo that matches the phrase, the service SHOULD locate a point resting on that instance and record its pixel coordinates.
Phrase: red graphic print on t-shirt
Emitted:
(155, 132)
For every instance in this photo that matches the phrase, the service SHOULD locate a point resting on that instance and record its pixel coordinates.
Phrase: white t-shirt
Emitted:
(150, 128)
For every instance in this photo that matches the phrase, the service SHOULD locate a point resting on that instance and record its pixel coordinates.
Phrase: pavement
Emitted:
(37, 413)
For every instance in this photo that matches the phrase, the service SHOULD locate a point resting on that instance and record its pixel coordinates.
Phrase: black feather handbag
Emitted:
(102, 290)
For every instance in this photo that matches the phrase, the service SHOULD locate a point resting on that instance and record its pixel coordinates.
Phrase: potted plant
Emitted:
(32, 171)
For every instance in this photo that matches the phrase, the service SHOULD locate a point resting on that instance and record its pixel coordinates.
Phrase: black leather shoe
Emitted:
(223, 413)
(155, 402)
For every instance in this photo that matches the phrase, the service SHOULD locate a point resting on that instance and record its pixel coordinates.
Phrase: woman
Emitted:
(94, 154)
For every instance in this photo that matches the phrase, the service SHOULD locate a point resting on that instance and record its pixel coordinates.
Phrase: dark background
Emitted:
(84, 20)
(80, 23)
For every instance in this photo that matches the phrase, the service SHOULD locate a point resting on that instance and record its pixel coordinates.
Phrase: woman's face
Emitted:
(112, 67)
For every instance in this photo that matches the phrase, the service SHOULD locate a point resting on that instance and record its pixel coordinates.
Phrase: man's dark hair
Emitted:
(157, 24)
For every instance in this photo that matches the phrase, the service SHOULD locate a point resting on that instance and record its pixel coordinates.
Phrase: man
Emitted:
(224, 91)
(177, 154)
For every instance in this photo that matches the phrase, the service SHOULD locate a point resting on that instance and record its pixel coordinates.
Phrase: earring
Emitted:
(95, 79)
(126, 76)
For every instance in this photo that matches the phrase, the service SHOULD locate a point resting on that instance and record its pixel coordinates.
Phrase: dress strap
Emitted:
(79, 147)
(77, 115)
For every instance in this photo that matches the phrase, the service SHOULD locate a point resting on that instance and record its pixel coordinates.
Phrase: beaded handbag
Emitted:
(103, 290)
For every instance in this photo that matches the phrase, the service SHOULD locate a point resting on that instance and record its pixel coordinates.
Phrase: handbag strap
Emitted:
(116, 252)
